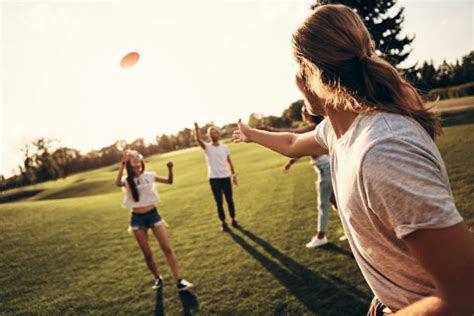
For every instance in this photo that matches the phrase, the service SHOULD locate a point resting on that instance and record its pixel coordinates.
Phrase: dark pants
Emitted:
(376, 308)
(219, 186)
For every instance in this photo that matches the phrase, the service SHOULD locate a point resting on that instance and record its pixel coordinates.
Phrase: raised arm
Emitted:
(123, 161)
(288, 144)
(197, 136)
(168, 180)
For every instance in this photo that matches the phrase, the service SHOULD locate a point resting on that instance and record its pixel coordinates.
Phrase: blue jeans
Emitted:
(324, 189)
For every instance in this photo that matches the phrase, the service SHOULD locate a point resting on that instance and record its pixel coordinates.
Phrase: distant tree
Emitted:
(164, 143)
(445, 75)
(384, 26)
(293, 112)
(427, 76)
(255, 120)
(65, 159)
(468, 67)
(185, 138)
(139, 145)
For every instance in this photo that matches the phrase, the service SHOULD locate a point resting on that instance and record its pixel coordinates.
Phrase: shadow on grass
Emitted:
(190, 303)
(461, 117)
(318, 294)
(159, 307)
(19, 196)
(334, 248)
(188, 300)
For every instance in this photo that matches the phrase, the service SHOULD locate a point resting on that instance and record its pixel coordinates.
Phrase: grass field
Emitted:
(67, 250)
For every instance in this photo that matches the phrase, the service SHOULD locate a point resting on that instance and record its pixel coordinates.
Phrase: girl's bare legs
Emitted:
(162, 236)
(142, 238)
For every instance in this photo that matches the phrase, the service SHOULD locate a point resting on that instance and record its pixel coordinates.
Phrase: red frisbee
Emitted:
(129, 60)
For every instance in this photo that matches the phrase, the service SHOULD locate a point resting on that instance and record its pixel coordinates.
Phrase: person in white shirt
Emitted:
(217, 156)
(141, 197)
(391, 185)
(324, 189)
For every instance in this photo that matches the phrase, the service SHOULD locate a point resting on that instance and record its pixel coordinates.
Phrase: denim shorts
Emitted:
(145, 220)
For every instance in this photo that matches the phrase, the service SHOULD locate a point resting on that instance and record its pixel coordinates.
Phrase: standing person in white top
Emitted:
(391, 185)
(218, 158)
(141, 197)
(321, 165)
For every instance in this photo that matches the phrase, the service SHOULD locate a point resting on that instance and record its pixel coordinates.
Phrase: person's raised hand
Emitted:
(169, 165)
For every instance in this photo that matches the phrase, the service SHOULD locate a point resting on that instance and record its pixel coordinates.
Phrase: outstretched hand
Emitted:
(241, 134)
(169, 165)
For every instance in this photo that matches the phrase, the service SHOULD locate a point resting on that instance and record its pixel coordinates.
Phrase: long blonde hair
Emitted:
(337, 62)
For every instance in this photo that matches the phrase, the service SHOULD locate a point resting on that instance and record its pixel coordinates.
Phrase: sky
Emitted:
(205, 61)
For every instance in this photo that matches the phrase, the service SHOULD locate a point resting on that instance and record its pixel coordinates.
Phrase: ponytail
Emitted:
(385, 90)
(338, 63)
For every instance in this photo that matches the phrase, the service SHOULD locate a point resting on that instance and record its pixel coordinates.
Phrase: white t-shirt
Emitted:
(389, 180)
(217, 161)
(147, 194)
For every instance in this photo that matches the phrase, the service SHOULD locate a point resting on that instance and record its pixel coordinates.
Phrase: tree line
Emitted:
(44, 160)
(428, 77)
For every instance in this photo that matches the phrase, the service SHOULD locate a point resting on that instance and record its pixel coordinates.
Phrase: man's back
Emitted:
(389, 180)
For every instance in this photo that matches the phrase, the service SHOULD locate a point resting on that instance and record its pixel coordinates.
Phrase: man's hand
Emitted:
(234, 179)
(169, 165)
(286, 167)
(242, 134)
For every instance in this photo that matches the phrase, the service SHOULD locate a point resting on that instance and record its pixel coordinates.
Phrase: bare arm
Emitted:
(197, 136)
(231, 165)
(448, 255)
(301, 130)
(288, 144)
(168, 180)
(123, 161)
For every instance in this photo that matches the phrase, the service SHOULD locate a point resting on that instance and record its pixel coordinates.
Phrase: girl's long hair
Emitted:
(131, 182)
(338, 63)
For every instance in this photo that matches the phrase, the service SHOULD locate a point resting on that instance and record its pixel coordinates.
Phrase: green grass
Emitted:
(443, 105)
(67, 250)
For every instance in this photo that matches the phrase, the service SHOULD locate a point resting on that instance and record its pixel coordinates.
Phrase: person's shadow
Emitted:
(159, 307)
(188, 300)
(190, 303)
(314, 291)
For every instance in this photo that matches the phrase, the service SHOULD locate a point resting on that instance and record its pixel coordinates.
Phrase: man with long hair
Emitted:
(391, 185)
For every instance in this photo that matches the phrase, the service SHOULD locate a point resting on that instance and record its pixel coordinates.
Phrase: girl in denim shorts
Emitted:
(141, 197)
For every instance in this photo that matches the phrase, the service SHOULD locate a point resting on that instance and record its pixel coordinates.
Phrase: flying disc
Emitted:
(129, 60)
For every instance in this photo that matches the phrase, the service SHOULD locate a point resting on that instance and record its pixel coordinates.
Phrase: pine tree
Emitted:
(384, 27)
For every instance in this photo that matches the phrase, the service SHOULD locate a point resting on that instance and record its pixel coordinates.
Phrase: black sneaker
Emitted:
(158, 283)
(183, 285)
(224, 227)
(234, 223)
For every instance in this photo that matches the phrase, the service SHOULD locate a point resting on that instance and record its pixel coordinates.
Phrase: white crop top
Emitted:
(147, 194)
